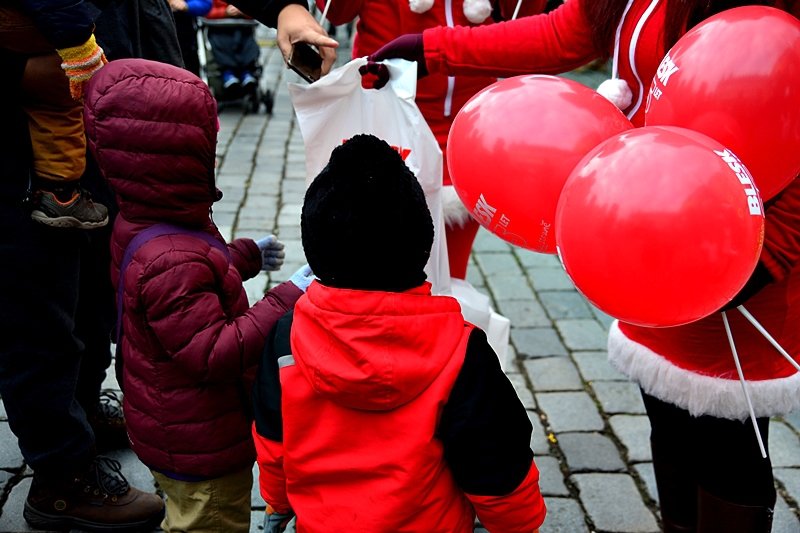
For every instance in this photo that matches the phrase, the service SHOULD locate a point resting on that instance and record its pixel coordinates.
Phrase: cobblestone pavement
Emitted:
(590, 431)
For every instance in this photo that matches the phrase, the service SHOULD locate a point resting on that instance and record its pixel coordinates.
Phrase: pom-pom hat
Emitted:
(365, 224)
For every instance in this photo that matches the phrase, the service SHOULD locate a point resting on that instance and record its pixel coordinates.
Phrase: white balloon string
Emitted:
(769, 337)
(324, 12)
(744, 386)
(516, 10)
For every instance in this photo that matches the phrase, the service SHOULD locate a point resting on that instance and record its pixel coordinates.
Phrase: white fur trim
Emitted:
(455, 213)
(477, 11)
(699, 394)
(617, 91)
(420, 6)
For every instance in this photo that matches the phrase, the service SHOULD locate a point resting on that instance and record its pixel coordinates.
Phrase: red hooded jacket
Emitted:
(189, 333)
(396, 417)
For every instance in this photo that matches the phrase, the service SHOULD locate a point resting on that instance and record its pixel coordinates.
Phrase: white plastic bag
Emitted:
(336, 107)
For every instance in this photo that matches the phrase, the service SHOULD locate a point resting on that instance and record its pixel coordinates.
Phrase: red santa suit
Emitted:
(689, 366)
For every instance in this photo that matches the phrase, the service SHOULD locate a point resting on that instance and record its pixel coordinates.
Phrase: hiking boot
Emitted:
(98, 500)
(76, 211)
(108, 423)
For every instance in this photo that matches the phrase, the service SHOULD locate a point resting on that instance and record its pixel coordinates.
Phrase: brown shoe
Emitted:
(97, 500)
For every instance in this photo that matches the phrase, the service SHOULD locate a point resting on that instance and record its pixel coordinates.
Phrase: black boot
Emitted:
(719, 516)
(97, 499)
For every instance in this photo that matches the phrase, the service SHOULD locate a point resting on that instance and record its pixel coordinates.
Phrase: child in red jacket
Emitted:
(381, 409)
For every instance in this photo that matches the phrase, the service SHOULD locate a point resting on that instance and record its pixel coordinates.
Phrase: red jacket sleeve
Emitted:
(271, 479)
(523, 506)
(549, 43)
(782, 232)
(182, 305)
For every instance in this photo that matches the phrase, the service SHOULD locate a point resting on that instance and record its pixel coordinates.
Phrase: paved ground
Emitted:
(590, 431)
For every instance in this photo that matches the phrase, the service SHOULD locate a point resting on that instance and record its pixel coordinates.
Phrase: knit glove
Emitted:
(302, 278)
(272, 253)
(408, 46)
(80, 63)
(276, 522)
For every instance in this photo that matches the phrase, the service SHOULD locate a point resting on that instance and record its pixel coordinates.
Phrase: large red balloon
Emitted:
(736, 78)
(659, 226)
(513, 145)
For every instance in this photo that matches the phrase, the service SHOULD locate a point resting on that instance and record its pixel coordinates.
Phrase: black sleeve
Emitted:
(266, 11)
(267, 387)
(484, 427)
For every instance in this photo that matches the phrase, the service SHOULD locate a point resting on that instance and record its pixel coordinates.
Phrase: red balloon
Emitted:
(659, 226)
(736, 78)
(513, 145)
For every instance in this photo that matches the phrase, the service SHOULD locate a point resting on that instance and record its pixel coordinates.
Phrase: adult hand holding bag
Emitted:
(336, 107)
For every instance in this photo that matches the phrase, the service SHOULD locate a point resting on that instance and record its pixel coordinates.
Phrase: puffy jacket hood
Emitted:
(374, 350)
(152, 128)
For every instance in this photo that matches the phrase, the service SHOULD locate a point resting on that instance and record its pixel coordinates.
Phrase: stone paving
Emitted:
(590, 431)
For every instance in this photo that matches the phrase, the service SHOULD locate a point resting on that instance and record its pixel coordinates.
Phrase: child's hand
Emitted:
(303, 277)
(232, 11)
(276, 522)
(272, 253)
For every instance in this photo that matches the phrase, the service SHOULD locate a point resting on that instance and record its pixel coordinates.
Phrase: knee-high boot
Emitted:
(716, 515)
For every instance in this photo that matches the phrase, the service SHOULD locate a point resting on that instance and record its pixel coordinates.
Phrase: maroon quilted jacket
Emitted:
(190, 335)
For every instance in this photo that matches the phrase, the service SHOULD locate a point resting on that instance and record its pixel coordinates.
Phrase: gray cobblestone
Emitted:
(537, 342)
(553, 374)
(549, 279)
(564, 515)
(551, 480)
(634, 433)
(594, 366)
(582, 334)
(570, 411)
(523, 313)
(587, 452)
(564, 304)
(614, 503)
(618, 397)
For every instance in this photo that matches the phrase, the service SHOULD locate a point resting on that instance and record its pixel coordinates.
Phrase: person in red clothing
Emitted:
(439, 96)
(709, 470)
(381, 409)
(190, 341)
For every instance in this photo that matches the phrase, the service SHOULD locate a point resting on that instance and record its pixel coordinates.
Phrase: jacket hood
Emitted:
(152, 128)
(373, 350)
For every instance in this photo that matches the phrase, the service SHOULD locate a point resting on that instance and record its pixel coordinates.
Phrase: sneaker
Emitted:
(230, 82)
(248, 80)
(79, 211)
(108, 423)
(96, 500)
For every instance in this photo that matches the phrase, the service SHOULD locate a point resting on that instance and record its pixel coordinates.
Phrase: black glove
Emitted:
(408, 46)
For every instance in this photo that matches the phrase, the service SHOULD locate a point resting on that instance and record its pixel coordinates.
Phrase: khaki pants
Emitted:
(55, 120)
(220, 505)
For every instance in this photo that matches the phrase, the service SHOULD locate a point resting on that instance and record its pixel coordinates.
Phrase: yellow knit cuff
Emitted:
(76, 53)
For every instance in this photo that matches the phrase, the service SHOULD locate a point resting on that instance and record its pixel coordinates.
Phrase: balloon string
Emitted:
(516, 10)
(769, 337)
(324, 12)
(744, 386)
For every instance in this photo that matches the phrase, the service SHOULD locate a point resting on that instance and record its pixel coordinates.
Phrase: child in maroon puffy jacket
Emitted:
(189, 337)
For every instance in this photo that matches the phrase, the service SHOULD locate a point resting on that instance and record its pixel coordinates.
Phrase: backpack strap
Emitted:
(146, 235)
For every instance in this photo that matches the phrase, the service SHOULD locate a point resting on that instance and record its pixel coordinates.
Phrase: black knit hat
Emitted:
(365, 224)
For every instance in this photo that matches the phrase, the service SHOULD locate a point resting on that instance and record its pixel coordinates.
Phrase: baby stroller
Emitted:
(249, 95)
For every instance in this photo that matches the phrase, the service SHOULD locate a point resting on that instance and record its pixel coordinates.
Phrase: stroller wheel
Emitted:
(269, 101)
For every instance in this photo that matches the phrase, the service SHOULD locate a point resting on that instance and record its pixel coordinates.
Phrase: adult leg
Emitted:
(675, 463)
(737, 488)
